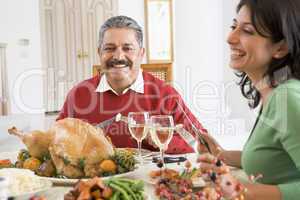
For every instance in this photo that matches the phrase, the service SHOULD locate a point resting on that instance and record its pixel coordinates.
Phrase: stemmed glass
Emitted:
(161, 130)
(137, 122)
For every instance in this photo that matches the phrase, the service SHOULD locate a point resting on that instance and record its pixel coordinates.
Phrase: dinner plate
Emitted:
(197, 181)
(46, 185)
(145, 152)
(23, 183)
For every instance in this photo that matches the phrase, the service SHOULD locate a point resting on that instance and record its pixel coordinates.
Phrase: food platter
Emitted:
(64, 181)
(67, 181)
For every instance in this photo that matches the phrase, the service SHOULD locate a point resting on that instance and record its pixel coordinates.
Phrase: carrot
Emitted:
(5, 162)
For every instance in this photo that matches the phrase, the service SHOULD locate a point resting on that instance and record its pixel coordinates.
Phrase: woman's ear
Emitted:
(281, 49)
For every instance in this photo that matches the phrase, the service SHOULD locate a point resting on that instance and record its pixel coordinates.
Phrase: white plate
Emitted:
(197, 182)
(46, 185)
(27, 178)
(146, 154)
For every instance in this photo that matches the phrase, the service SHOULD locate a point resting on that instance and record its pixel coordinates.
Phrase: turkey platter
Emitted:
(72, 148)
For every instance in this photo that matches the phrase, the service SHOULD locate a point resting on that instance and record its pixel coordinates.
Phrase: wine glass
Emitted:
(161, 130)
(137, 127)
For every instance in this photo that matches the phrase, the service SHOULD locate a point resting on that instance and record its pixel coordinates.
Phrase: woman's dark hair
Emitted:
(277, 20)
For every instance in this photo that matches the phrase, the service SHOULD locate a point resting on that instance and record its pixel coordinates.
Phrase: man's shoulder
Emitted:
(149, 78)
(155, 84)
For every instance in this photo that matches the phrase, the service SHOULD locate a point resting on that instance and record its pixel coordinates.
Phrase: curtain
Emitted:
(4, 101)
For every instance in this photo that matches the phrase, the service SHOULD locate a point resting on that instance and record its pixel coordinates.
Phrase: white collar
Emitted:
(137, 86)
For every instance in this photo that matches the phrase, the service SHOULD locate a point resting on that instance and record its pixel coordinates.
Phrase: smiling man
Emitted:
(122, 87)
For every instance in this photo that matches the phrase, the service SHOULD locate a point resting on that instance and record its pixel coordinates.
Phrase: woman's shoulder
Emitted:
(293, 84)
(290, 88)
(287, 94)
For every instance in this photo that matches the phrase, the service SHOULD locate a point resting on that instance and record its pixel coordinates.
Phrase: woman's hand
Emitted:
(218, 171)
(209, 163)
(205, 140)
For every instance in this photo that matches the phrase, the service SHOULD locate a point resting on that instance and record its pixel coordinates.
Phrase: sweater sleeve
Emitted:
(64, 111)
(67, 109)
(175, 106)
(288, 102)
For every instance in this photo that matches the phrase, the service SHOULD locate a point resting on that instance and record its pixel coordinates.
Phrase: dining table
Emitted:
(27, 122)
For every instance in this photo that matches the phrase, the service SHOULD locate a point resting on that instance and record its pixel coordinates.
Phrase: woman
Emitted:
(265, 50)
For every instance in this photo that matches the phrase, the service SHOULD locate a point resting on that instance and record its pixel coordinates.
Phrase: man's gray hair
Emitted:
(121, 22)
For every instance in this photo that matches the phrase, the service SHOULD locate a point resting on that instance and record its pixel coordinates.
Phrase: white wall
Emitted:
(201, 72)
(236, 102)
(135, 10)
(201, 68)
(198, 56)
(20, 20)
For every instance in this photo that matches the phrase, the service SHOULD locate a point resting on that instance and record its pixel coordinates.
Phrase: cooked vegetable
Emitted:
(107, 192)
(32, 164)
(46, 156)
(127, 188)
(66, 160)
(96, 194)
(6, 163)
(19, 164)
(81, 163)
(23, 155)
(46, 169)
(108, 166)
(125, 160)
(90, 189)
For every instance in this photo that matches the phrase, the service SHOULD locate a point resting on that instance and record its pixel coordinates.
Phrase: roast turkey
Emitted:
(76, 147)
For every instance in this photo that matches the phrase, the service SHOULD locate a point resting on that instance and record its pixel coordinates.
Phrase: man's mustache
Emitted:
(110, 63)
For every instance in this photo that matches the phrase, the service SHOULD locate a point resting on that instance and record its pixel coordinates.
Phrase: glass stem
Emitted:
(140, 151)
(162, 157)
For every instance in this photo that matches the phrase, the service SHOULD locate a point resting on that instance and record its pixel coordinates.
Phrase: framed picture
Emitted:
(159, 31)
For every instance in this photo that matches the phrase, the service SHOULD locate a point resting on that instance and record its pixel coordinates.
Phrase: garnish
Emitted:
(81, 163)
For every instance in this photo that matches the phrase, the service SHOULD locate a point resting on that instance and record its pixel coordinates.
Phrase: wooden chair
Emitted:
(163, 71)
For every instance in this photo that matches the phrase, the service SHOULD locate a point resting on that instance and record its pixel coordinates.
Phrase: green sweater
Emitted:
(273, 149)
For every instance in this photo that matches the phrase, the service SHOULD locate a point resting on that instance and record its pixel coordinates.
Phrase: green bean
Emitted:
(121, 190)
(131, 181)
(126, 187)
(135, 185)
(140, 195)
(115, 196)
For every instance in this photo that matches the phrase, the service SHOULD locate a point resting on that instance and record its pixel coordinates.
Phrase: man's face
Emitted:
(120, 55)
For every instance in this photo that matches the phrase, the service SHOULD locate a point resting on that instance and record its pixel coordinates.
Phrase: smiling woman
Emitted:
(265, 51)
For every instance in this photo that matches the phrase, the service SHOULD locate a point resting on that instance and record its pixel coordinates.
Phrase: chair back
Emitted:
(162, 71)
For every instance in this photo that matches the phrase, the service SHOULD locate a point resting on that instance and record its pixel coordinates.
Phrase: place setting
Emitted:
(89, 162)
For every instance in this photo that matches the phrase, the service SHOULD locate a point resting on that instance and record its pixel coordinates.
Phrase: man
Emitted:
(123, 88)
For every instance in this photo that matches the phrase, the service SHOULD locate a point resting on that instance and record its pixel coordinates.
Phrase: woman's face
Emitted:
(250, 52)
